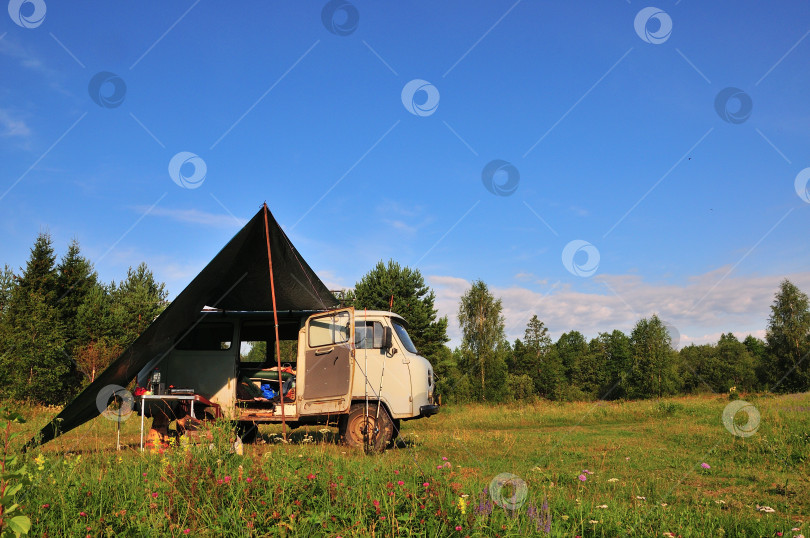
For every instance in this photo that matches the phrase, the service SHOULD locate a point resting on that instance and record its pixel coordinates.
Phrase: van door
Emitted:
(326, 383)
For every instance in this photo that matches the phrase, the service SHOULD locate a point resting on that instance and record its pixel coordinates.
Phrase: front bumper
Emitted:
(428, 410)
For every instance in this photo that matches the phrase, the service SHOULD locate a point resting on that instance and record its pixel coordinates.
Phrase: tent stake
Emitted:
(275, 321)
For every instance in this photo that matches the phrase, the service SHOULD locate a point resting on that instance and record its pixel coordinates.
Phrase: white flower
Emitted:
(766, 509)
(640, 498)
(602, 506)
(613, 479)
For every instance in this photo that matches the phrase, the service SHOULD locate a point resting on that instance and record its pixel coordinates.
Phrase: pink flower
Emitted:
(396, 472)
(227, 479)
(376, 503)
(186, 531)
(586, 471)
(582, 478)
(400, 483)
(438, 467)
(144, 474)
(458, 527)
(248, 480)
(426, 484)
(705, 465)
(779, 533)
(444, 458)
(154, 495)
(310, 476)
(82, 514)
(219, 481)
(46, 505)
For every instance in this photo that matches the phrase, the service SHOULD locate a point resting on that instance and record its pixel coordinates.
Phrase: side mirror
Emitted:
(387, 338)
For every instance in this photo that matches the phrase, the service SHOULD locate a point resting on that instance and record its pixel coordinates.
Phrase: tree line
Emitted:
(612, 365)
(60, 326)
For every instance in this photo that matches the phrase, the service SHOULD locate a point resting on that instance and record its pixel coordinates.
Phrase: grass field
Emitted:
(581, 469)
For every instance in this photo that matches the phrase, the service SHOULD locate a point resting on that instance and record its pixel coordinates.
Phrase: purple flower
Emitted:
(582, 478)
(705, 465)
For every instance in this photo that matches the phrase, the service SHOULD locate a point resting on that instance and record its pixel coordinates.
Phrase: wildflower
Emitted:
(582, 478)
(641, 498)
(227, 479)
(219, 481)
(186, 531)
(310, 476)
(40, 460)
(627, 458)
(593, 521)
(705, 465)
(426, 484)
(376, 503)
(400, 483)
(766, 509)
(83, 514)
(664, 505)
(724, 502)
(458, 527)
(603, 506)
(143, 474)
(46, 505)
(438, 467)
(448, 465)
(564, 517)
(462, 505)
(154, 495)
(613, 479)
(444, 458)
(396, 472)
(586, 471)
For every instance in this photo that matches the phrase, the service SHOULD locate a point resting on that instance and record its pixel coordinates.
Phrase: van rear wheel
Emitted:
(374, 431)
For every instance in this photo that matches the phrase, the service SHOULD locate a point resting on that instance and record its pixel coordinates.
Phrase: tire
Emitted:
(395, 433)
(370, 432)
(247, 431)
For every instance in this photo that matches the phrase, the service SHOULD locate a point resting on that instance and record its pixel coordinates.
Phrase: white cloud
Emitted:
(195, 216)
(701, 309)
(10, 126)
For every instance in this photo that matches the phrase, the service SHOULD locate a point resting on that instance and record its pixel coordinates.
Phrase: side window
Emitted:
(255, 343)
(207, 337)
(368, 334)
(329, 329)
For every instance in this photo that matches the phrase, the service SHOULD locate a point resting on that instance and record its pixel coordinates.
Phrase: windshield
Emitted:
(402, 333)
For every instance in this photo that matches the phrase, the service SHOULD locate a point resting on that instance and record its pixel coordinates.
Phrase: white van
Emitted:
(358, 371)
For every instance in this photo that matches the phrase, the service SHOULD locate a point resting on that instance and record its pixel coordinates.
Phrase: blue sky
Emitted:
(605, 117)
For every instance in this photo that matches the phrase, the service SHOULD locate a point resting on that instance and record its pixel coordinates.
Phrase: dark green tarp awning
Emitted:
(238, 278)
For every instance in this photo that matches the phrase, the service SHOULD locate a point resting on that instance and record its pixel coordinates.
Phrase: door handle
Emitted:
(324, 351)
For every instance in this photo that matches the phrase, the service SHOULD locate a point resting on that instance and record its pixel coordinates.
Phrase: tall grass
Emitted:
(605, 469)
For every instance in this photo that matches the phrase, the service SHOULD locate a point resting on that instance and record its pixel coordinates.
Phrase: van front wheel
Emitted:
(374, 431)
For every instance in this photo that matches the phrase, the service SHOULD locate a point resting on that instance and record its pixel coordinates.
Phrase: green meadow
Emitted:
(645, 468)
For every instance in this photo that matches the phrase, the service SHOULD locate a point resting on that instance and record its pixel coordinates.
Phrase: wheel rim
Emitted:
(362, 428)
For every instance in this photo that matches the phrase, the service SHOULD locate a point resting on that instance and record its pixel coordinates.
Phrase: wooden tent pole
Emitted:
(275, 320)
